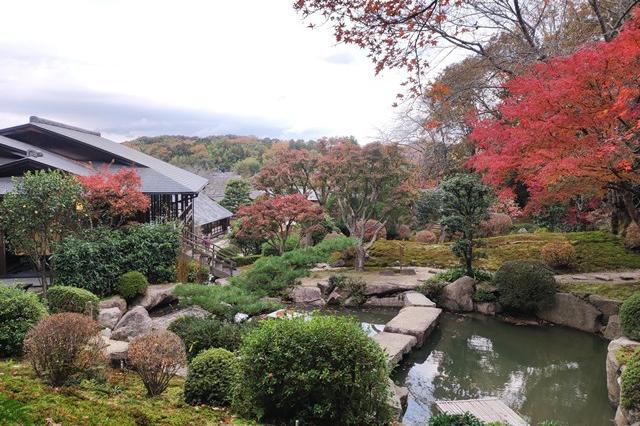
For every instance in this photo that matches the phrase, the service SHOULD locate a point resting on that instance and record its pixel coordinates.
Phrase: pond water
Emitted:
(543, 373)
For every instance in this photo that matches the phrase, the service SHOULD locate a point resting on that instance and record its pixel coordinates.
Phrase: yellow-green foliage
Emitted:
(595, 251)
(620, 291)
(119, 402)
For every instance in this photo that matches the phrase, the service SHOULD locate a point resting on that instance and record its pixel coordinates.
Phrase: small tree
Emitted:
(40, 211)
(274, 219)
(236, 195)
(114, 198)
(428, 208)
(465, 204)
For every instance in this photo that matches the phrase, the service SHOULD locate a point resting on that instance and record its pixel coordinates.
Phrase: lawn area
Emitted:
(121, 401)
(612, 291)
(595, 251)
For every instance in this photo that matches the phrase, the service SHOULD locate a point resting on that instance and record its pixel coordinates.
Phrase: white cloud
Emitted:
(239, 66)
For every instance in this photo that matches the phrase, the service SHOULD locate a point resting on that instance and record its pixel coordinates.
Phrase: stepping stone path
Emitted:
(413, 298)
(603, 277)
(395, 345)
(415, 321)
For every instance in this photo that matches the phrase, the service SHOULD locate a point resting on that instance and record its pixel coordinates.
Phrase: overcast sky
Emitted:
(192, 67)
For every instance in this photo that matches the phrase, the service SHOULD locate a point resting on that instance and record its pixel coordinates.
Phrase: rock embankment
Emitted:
(615, 366)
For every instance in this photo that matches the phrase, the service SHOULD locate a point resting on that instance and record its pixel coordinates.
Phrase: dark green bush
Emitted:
(465, 419)
(19, 310)
(211, 378)
(481, 295)
(630, 383)
(246, 260)
(199, 334)
(62, 298)
(432, 289)
(131, 285)
(525, 285)
(450, 275)
(323, 370)
(292, 243)
(197, 273)
(630, 316)
(95, 259)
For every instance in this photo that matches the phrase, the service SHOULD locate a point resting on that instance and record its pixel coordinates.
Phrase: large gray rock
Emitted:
(395, 345)
(109, 317)
(163, 322)
(385, 302)
(573, 312)
(383, 289)
(607, 306)
(488, 308)
(115, 350)
(114, 302)
(156, 296)
(613, 366)
(456, 296)
(415, 321)
(134, 323)
(394, 401)
(306, 295)
(613, 330)
(413, 298)
(335, 298)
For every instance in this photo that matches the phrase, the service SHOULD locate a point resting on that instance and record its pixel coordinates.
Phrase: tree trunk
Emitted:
(360, 255)
(469, 261)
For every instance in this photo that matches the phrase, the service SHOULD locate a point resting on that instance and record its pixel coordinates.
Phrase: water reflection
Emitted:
(543, 373)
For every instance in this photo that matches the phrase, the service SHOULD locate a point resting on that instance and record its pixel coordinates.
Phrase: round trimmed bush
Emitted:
(132, 284)
(199, 334)
(496, 224)
(62, 298)
(558, 254)
(425, 236)
(632, 237)
(630, 383)
(19, 311)
(630, 316)
(404, 232)
(211, 378)
(525, 285)
(320, 370)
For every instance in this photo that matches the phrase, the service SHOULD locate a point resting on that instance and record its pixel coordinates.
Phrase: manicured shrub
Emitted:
(630, 317)
(558, 254)
(370, 227)
(323, 370)
(156, 357)
(496, 224)
(65, 346)
(131, 285)
(246, 260)
(95, 259)
(465, 419)
(630, 383)
(19, 311)
(211, 378)
(482, 295)
(425, 236)
(199, 334)
(62, 298)
(404, 232)
(632, 237)
(525, 285)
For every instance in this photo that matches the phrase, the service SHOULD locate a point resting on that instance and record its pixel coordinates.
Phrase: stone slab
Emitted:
(415, 321)
(395, 345)
(413, 298)
(574, 312)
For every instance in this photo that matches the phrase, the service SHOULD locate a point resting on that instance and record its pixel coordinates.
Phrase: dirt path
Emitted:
(373, 276)
(608, 277)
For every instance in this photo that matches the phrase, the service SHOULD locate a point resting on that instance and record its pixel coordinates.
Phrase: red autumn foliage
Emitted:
(114, 197)
(274, 218)
(426, 236)
(570, 126)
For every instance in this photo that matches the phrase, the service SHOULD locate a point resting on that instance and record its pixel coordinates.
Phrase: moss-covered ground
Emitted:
(120, 401)
(595, 251)
(617, 291)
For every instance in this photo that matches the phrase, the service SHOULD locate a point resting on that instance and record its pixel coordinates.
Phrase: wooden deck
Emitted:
(485, 409)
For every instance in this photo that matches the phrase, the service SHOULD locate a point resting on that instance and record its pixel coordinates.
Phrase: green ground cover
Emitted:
(595, 251)
(617, 291)
(25, 400)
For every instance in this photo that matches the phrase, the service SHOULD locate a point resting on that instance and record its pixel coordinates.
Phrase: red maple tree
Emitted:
(570, 126)
(114, 197)
(274, 218)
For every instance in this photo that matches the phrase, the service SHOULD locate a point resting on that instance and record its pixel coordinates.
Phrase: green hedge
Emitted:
(525, 285)
(96, 259)
(630, 383)
(131, 285)
(62, 298)
(630, 316)
(19, 311)
(246, 260)
(323, 370)
(199, 334)
(211, 378)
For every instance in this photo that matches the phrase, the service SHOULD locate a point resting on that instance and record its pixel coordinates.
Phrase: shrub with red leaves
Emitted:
(426, 236)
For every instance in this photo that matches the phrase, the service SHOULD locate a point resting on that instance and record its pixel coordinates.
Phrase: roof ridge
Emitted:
(40, 120)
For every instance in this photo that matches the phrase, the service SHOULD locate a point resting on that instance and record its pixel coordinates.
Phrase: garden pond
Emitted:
(542, 372)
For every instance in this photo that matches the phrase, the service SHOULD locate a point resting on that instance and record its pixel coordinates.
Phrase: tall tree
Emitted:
(42, 208)
(114, 197)
(370, 182)
(236, 195)
(274, 219)
(569, 125)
